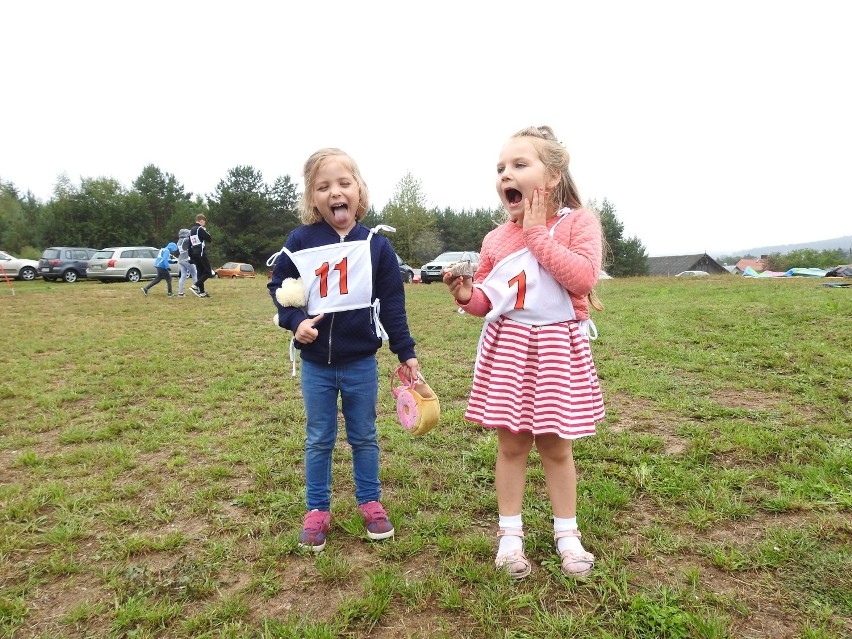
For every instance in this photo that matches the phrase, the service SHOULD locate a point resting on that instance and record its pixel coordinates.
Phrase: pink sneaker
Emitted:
(376, 519)
(315, 530)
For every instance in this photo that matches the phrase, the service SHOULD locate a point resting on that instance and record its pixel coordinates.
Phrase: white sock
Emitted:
(510, 543)
(567, 543)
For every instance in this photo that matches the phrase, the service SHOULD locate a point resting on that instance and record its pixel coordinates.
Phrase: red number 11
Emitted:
(322, 273)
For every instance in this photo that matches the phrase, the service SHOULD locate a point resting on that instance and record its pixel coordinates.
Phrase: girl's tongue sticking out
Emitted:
(341, 213)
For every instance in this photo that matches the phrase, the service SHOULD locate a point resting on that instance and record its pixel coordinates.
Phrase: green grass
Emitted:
(151, 474)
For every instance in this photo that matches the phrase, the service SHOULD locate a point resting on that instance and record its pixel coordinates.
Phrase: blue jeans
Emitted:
(357, 384)
(162, 274)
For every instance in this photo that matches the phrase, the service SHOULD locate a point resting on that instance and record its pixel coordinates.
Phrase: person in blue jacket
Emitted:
(354, 298)
(163, 272)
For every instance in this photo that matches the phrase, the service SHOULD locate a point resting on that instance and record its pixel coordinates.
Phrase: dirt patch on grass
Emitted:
(640, 415)
(752, 399)
(54, 601)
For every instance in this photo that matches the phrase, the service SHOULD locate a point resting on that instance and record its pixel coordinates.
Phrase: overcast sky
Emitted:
(711, 126)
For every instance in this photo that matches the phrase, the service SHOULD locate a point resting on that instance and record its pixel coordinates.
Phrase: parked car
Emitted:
(67, 263)
(692, 273)
(131, 263)
(405, 271)
(235, 270)
(433, 271)
(18, 268)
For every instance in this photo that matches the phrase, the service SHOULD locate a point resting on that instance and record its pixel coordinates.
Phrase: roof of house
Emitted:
(757, 265)
(674, 264)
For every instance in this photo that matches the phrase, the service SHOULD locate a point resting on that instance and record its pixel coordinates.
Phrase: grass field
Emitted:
(151, 474)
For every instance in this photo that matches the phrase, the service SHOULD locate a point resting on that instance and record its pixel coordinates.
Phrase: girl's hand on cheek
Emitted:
(535, 213)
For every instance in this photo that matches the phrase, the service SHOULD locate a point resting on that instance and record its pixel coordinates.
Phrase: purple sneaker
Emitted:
(376, 519)
(315, 530)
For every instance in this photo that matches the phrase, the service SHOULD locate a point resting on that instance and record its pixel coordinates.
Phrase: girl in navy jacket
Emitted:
(354, 299)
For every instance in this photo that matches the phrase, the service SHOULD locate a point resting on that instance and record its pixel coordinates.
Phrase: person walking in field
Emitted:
(199, 238)
(353, 298)
(187, 268)
(163, 272)
(534, 379)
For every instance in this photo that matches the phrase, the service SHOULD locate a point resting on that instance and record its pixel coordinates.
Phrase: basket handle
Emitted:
(405, 381)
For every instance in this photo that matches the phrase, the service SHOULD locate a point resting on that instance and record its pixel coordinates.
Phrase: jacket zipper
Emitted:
(330, 329)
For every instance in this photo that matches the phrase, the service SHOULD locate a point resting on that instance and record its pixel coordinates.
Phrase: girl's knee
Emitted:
(513, 445)
(555, 448)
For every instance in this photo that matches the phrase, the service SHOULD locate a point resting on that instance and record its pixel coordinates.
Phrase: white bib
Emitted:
(519, 288)
(337, 277)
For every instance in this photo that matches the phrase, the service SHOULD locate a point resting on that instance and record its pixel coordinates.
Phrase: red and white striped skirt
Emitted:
(536, 379)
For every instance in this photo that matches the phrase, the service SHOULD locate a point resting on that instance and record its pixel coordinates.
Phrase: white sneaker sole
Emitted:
(379, 536)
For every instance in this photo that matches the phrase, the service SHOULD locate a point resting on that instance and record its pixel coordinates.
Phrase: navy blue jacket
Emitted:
(347, 336)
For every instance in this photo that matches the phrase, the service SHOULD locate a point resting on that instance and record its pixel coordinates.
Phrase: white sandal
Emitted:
(515, 563)
(574, 564)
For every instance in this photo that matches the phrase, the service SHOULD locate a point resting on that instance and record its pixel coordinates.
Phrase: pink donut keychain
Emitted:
(406, 407)
(416, 404)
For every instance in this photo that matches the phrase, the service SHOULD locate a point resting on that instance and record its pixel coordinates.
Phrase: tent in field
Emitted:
(750, 272)
(793, 272)
(805, 272)
(840, 271)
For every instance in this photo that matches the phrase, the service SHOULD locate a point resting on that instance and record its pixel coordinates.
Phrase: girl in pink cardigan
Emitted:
(534, 379)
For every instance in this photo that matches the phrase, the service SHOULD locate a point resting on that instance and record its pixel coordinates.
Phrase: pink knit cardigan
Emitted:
(572, 256)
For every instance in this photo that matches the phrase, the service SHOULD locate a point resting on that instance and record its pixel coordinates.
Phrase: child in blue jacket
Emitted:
(163, 272)
(354, 299)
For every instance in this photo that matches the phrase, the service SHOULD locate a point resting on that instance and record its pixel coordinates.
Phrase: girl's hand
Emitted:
(461, 288)
(535, 213)
(411, 369)
(306, 331)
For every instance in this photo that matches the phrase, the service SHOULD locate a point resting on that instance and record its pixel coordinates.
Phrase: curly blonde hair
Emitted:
(309, 213)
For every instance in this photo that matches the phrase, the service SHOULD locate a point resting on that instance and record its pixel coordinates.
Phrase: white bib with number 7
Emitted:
(521, 289)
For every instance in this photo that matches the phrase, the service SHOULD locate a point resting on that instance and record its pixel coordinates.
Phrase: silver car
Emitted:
(16, 267)
(131, 263)
(434, 270)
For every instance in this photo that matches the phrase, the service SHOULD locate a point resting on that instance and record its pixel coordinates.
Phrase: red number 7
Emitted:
(521, 280)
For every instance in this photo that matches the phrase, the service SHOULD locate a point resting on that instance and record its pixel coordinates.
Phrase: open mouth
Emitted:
(513, 196)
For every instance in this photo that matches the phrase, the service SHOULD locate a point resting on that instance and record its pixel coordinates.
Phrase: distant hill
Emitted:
(844, 242)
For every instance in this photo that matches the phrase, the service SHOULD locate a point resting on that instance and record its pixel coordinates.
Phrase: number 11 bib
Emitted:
(337, 277)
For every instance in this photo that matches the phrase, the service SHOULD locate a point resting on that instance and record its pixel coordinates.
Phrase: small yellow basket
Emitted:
(416, 404)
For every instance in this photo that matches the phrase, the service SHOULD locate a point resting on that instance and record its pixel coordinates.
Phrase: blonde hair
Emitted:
(555, 158)
(309, 213)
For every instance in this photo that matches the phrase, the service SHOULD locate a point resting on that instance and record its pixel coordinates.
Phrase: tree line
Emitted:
(249, 219)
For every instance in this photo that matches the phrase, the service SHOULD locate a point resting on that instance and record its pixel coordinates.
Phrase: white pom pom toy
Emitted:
(292, 293)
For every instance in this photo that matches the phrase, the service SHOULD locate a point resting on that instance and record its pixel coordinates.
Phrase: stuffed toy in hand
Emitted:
(292, 293)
